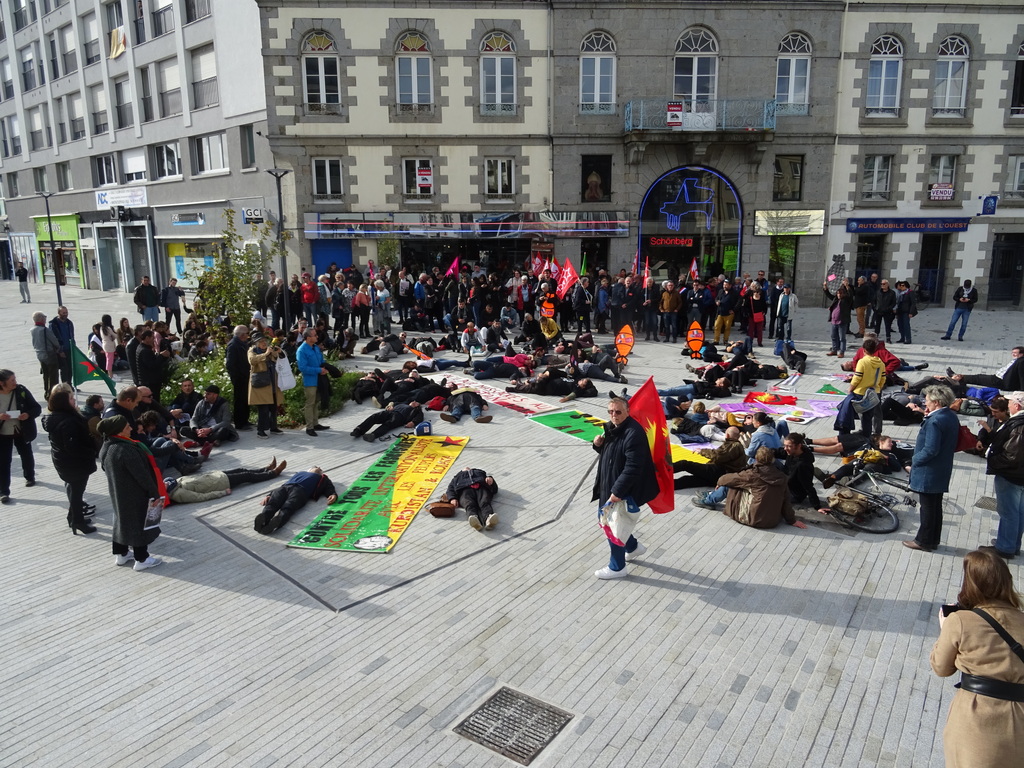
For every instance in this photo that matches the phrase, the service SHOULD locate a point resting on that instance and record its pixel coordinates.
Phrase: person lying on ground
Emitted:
(728, 457)
(394, 416)
(466, 400)
(283, 502)
(206, 486)
(473, 489)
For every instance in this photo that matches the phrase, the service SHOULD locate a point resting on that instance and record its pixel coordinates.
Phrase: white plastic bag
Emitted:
(285, 376)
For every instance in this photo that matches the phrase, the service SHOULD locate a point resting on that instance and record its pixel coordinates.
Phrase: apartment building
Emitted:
(137, 122)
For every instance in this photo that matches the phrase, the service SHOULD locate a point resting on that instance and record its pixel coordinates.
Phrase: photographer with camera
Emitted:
(263, 390)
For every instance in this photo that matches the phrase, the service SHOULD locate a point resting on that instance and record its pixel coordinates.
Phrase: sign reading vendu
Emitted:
(881, 226)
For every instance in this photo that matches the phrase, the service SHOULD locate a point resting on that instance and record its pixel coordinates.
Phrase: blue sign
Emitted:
(988, 205)
(882, 226)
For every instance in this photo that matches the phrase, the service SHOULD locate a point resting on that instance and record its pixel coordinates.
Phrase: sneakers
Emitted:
(123, 559)
(149, 562)
(474, 523)
(949, 373)
(636, 553)
(492, 520)
(276, 431)
(623, 380)
(483, 419)
(700, 500)
(262, 435)
(607, 573)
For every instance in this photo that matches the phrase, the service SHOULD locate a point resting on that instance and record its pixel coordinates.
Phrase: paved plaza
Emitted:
(725, 646)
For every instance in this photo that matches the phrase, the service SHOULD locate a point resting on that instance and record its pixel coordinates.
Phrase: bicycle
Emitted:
(872, 511)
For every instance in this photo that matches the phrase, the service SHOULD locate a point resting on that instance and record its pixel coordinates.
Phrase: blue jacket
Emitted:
(933, 455)
(310, 360)
(316, 485)
(763, 435)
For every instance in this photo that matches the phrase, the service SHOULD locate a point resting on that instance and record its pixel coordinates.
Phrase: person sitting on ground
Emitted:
(207, 486)
(471, 338)
(765, 434)
(211, 421)
(728, 457)
(283, 502)
(394, 416)
(166, 451)
(473, 489)
(1000, 410)
(124, 405)
(529, 331)
(759, 495)
(494, 338)
(879, 457)
(465, 400)
(185, 402)
(799, 468)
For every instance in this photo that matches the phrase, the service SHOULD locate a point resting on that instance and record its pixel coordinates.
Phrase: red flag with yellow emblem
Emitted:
(645, 406)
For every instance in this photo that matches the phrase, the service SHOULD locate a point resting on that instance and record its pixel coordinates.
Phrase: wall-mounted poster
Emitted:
(596, 173)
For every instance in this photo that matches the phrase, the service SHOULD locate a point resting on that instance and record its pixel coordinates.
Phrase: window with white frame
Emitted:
(597, 74)
(64, 180)
(876, 178)
(133, 164)
(497, 75)
(942, 178)
(1015, 181)
(418, 177)
(321, 81)
(413, 71)
(104, 170)
(792, 75)
(500, 173)
(1017, 94)
(209, 153)
(696, 70)
(327, 178)
(950, 93)
(166, 160)
(885, 72)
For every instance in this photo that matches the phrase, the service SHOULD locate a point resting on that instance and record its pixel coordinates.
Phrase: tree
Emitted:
(230, 288)
(388, 254)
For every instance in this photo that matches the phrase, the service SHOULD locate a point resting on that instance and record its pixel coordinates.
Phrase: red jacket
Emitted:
(889, 360)
(310, 293)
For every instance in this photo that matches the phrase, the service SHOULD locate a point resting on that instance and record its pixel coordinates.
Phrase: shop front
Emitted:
(59, 248)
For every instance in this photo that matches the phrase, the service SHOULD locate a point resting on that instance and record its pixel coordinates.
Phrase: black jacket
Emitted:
(71, 446)
(236, 360)
(1006, 453)
(467, 478)
(150, 368)
(24, 402)
(625, 467)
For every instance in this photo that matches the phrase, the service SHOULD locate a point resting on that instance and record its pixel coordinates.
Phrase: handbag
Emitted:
(759, 317)
(965, 439)
(867, 403)
(260, 379)
(285, 375)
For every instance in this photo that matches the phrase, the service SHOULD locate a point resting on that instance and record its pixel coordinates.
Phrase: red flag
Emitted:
(647, 269)
(553, 266)
(769, 398)
(694, 274)
(566, 278)
(453, 270)
(646, 407)
(636, 263)
(537, 263)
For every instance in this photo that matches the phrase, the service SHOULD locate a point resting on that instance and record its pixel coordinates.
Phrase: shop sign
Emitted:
(129, 197)
(252, 215)
(881, 226)
(670, 242)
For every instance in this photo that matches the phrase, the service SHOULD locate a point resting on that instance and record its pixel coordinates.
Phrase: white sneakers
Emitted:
(492, 520)
(638, 552)
(123, 559)
(149, 562)
(608, 573)
(474, 522)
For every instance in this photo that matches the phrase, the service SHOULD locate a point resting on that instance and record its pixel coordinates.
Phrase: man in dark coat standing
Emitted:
(64, 330)
(625, 472)
(236, 360)
(151, 364)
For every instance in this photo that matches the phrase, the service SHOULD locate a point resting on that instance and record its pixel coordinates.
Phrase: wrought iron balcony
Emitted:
(717, 115)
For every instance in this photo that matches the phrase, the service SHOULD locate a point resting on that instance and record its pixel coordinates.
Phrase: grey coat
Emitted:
(132, 483)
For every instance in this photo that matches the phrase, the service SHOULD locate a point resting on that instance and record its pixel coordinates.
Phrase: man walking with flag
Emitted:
(627, 473)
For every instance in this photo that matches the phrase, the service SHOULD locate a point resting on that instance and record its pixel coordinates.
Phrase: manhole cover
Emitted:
(986, 502)
(514, 725)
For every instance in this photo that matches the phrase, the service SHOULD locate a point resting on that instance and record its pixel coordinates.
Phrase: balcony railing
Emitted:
(123, 115)
(785, 109)
(92, 52)
(28, 78)
(196, 9)
(77, 128)
(140, 30)
(99, 122)
(498, 109)
(425, 108)
(323, 109)
(205, 93)
(21, 19)
(70, 62)
(882, 111)
(717, 115)
(949, 112)
(598, 108)
(170, 103)
(163, 21)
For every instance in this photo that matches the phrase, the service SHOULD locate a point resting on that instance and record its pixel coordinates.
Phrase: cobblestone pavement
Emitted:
(726, 646)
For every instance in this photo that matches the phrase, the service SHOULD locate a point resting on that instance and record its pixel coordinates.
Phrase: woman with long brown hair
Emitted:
(985, 727)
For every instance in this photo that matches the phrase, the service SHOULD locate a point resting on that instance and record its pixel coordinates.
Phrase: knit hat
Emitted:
(112, 425)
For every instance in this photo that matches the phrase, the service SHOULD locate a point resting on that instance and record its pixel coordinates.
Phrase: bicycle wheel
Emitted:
(880, 518)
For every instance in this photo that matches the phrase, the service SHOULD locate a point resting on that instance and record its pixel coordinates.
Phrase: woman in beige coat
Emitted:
(983, 731)
(263, 357)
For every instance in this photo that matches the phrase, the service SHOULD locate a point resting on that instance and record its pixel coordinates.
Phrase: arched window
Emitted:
(950, 93)
(497, 75)
(321, 82)
(597, 73)
(413, 70)
(696, 71)
(792, 75)
(885, 71)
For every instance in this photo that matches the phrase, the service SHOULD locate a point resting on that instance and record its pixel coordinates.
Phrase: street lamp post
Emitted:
(53, 248)
(278, 174)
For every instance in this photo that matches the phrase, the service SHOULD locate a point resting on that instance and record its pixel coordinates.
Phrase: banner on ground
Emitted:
(584, 426)
(511, 400)
(378, 507)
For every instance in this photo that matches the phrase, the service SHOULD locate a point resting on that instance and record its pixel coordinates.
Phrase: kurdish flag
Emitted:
(83, 369)
(645, 406)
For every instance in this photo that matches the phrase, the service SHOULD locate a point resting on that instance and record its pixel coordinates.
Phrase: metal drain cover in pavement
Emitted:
(514, 725)
(986, 502)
